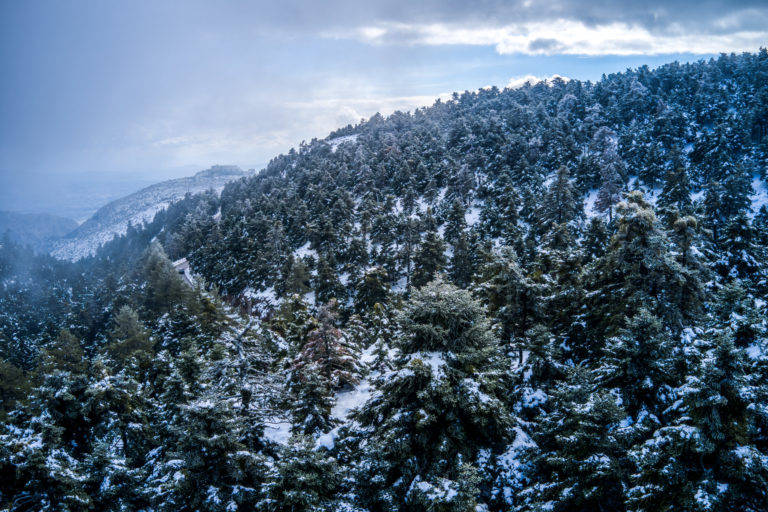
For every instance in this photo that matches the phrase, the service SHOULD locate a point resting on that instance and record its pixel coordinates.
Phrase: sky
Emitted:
(100, 98)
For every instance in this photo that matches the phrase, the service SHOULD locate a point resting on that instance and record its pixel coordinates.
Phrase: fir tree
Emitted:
(303, 478)
(559, 205)
(327, 284)
(327, 361)
(456, 222)
(639, 271)
(429, 260)
(676, 193)
(461, 269)
(433, 414)
(579, 460)
(372, 289)
(704, 458)
(511, 297)
(131, 343)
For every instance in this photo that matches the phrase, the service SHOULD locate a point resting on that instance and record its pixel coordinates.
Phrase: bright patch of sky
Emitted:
(99, 98)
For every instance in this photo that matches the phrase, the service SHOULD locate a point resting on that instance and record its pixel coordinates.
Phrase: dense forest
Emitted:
(547, 298)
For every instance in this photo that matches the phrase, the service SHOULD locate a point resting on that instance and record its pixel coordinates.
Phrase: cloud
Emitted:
(179, 141)
(653, 15)
(569, 37)
(544, 44)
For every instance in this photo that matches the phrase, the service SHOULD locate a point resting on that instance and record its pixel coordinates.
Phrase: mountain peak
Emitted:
(220, 170)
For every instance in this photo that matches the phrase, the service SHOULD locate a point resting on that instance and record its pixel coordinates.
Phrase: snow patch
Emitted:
(754, 351)
(344, 139)
(278, 432)
(305, 251)
(589, 204)
(327, 440)
(473, 215)
(268, 296)
(760, 196)
(434, 360)
(346, 401)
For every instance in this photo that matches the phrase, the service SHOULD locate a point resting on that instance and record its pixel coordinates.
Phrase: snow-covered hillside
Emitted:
(114, 218)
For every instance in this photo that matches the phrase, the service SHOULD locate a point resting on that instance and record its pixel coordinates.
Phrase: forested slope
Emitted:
(543, 298)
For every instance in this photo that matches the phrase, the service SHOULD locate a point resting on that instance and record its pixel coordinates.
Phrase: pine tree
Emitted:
(164, 286)
(381, 337)
(611, 171)
(511, 297)
(640, 272)
(461, 269)
(595, 240)
(642, 365)
(716, 214)
(500, 214)
(312, 400)
(214, 404)
(295, 277)
(737, 189)
(578, 463)
(326, 362)
(456, 222)
(207, 467)
(610, 190)
(676, 193)
(704, 458)
(327, 284)
(328, 347)
(559, 205)
(742, 256)
(14, 388)
(429, 260)
(432, 415)
(293, 322)
(130, 340)
(372, 289)
(303, 478)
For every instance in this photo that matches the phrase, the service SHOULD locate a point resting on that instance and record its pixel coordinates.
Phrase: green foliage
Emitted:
(639, 271)
(436, 410)
(605, 364)
(304, 478)
(130, 340)
(14, 386)
(429, 260)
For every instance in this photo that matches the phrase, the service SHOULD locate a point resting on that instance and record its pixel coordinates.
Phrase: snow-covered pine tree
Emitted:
(639, 271)
(327, 361)
(423, 430)
(510, 296)
(302, 478)
(429, 260)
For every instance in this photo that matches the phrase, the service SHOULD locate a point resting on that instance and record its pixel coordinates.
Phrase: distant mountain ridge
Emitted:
(114, 218)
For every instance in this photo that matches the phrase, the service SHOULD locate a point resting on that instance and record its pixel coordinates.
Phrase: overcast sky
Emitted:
(122, 93)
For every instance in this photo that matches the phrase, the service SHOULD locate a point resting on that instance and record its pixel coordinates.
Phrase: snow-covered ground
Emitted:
(351, 399)
(344, 139)
(589, 204)
(760, 197)
(305, 251)
(473, 214)
(278, 431)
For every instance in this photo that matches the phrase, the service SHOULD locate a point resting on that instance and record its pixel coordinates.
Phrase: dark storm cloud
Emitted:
(544, 45)
(583, 27)
(655, 15)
